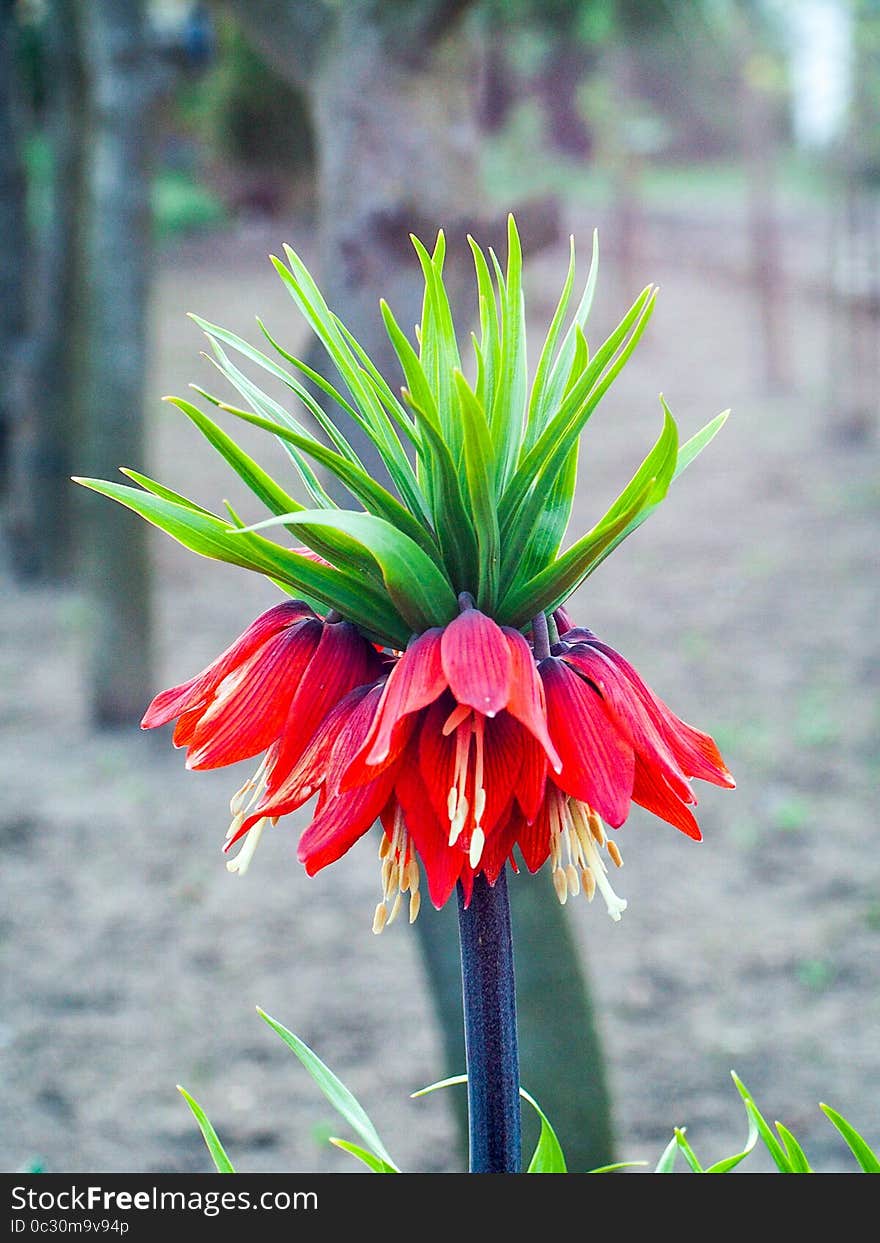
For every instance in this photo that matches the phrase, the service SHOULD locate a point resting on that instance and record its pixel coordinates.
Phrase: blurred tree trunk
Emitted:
(393, 89)
(116, 256)
(13, 237)
(760, 156)
(47, 433)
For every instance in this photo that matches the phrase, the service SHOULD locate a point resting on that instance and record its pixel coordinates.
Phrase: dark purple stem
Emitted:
(491, 1050)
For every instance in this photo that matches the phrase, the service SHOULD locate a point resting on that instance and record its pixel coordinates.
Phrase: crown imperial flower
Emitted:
(425, 673)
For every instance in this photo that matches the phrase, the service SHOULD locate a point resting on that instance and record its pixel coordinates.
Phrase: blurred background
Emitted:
(152, 156)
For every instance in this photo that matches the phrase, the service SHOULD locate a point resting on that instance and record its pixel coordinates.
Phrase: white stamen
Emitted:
(459, 822)
(616, 906)
(242, 860)
(478, 841)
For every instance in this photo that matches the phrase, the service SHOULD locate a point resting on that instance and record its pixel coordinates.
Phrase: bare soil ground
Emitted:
(132, 961)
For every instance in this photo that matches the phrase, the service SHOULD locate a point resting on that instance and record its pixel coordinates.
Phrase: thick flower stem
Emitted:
(490, 1028)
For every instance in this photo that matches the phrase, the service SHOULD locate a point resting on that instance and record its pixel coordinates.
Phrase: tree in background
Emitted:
(76, 397)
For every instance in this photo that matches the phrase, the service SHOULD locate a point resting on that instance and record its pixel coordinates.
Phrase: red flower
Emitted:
(271, 689)
(443, 750)
(619, 743)
(470, 750)
(465, 749)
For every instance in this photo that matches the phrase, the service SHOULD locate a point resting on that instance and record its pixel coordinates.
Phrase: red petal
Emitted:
(477, 662)
(626, 709)
(345, 819)
(651, 792)
(534, 839)
(597, 761)
(343, 660)
(526, 700)
(442, 863)
(502, 762)
(415, 681)
(347, 722)
(695, 751)
(169, 704)
(563, 620)
(436, 757)
(248, 707)
(186, 724)
(499, 844)
(532, 778)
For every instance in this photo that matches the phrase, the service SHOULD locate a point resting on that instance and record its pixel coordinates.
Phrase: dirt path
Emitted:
(133, 961)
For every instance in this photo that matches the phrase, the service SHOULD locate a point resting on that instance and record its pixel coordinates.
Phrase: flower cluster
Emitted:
(472, 747)
(423, 672)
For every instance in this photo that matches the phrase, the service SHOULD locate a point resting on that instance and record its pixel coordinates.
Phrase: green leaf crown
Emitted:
(483, 467)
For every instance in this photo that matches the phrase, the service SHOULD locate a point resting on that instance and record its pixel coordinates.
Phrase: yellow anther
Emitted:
(380, 918)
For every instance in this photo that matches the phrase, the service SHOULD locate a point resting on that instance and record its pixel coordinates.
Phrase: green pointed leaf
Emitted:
(507, 413)
(548, 454)
(215, 1148)
(686, 455)
(548, 1157)
(490, 334)
(269, 409)
(452, 521)
(479, 471)
(687, 1152)
(549, 530)
(615, 1166)
(451, 1082)
(210, 536)
(439, 354)
(861, 1150)
(376, 1164)
(666, 1164)
(423, 398)
(538, 401)
(381, 387)
(305, 293)
(420, 591)
(334, 1089)
(396, 462)
(547, 590)
(796, 1154)
(697, 443)
(729, 1163)
(159, 489)
(552, 384)
(315, 377)
(551, 454)
(659, 465)
(216, 333)
(372, 495)
(263, 486)
(776, 1150)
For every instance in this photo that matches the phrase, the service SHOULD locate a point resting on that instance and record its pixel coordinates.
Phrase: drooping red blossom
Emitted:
(442, 748)
(537, 766)
(270, 691)
(468, 750)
